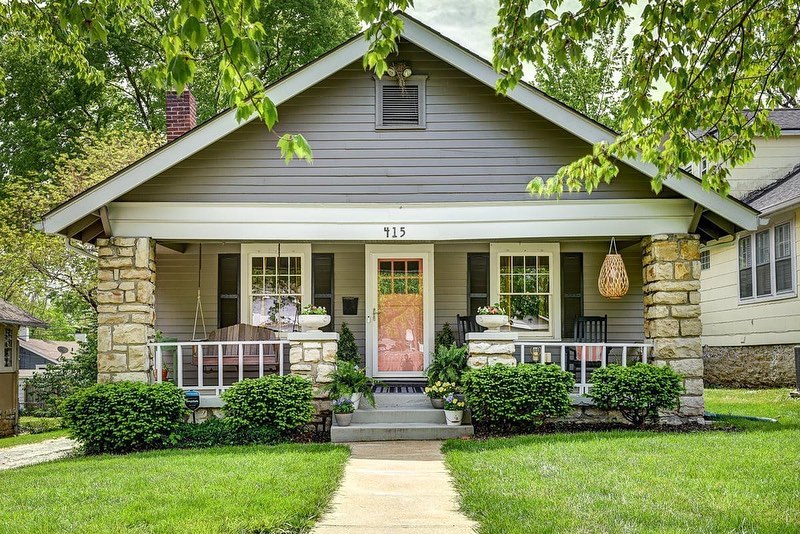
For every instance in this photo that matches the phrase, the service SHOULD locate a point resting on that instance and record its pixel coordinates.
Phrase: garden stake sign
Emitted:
(613, 280)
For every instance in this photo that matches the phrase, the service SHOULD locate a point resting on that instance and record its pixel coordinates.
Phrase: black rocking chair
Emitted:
(464, 325)
(587, 329)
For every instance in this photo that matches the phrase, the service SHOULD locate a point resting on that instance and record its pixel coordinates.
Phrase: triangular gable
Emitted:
(92, 200)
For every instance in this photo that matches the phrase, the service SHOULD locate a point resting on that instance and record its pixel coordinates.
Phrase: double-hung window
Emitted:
(766, 263)
(7, 358)
(526, 282)
(276, 284)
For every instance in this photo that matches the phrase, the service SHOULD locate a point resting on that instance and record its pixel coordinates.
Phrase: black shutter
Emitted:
(571, 291)
(322, 284)
(477, 281)
(228, 289)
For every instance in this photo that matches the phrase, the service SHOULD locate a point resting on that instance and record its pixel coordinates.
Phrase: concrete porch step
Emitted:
(398, 432)
(398, 400)
(400, 415)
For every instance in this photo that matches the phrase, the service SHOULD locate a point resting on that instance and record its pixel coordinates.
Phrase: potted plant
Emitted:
(350, 381)
(312, 318)
(167, 353)
(343, 411)
(492, 317)
(453, 409)
(437, 391)
(448, 365)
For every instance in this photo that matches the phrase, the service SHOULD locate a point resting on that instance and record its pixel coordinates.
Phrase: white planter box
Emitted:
(492, 322)
(454, 417)
(312, 323)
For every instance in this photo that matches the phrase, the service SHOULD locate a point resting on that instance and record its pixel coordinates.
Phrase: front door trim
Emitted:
(374, 252)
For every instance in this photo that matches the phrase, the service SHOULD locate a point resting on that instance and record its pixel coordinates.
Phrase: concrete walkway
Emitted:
(34, 453)
(395, 486)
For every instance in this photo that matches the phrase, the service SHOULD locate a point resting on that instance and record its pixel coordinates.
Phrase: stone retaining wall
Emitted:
(759, 366)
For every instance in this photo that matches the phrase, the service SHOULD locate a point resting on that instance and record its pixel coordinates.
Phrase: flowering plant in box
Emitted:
(314, 310)
(452, 403)
(439, 389)
(495, 309)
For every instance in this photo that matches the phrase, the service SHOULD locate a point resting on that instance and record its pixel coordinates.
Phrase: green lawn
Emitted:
(25, 439)
(234, 489)
(627, 481)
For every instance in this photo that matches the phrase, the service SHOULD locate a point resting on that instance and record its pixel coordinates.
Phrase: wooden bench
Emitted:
(230, 352)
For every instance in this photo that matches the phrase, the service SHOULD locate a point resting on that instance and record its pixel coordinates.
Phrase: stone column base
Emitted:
(489, 348)
(313, 355)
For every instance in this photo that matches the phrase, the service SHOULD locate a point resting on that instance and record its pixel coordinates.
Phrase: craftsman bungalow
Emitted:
(414, 212)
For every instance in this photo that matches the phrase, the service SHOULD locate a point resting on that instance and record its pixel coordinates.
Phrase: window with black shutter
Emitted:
(571, 291)
(228, 289)
(477, 281)
(322, 284)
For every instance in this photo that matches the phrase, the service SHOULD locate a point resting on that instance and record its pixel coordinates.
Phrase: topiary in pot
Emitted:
(638, 391)
(445, 337)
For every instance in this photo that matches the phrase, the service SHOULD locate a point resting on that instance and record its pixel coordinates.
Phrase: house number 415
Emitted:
(394, 232)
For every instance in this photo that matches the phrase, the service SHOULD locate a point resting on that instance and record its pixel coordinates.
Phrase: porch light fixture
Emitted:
(613, 280)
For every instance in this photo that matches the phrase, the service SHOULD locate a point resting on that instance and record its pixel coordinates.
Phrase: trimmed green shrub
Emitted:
(445, 337)
(348, 350)
(122, 417)
(448, 365)
(272, 403)
(515, 399)
(638, 391)
(218, 432)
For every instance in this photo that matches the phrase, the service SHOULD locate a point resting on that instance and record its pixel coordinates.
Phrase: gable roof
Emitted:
(53, 351)
(782, 193)
(10, 314)
(81, 211)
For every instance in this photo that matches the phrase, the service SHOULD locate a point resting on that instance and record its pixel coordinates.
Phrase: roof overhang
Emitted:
(81, 216)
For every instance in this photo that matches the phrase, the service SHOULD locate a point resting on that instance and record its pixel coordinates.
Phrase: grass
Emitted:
(231, 489)
(628, 481)
(27, 439)
(35, 425)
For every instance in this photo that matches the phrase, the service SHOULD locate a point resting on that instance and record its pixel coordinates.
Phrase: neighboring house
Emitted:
(751, 309)
(11, 319)
(414, 211)
(35, 355)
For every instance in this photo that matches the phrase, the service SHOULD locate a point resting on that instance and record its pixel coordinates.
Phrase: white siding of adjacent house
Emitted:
(728, 323)
(773, 159)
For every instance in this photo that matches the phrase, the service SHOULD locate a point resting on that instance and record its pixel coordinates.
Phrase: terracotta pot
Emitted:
(437, 403)
(492, 323)
(312, 323)
(165, 375)
(343, 419)
(454, 417)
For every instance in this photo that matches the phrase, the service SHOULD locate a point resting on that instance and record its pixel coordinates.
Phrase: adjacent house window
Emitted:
(400, 107)
(766, 263)
(8, 349)
(526, 280)
(277, 284)
(705, 260)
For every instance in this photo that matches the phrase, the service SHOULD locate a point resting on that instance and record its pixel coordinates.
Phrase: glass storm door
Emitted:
(400, 316)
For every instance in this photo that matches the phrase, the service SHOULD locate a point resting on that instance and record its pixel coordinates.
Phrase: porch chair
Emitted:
(464, 325)
(587, 329)
(230, 353)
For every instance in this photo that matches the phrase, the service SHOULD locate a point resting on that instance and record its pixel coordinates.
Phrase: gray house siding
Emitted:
(477, 147)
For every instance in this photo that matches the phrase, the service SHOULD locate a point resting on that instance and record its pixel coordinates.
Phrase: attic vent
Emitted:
(400, 107)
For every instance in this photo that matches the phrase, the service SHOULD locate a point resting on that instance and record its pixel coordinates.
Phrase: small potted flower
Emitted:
(312, 318)
(492, 317)
(343, 411)
(437, 391)
(453, 409)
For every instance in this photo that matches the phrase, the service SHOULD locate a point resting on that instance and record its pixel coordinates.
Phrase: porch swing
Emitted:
(231, 335)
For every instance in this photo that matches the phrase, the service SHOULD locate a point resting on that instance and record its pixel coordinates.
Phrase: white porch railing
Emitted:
(574, 357)
(210, 367)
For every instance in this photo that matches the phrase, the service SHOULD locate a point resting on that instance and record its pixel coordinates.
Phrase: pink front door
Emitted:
(400, 316)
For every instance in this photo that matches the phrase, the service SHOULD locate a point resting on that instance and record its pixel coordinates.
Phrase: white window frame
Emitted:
(418, 80)
(14, 348)
(553, 252)
(251, 250)
(706, 265)
(773, 295)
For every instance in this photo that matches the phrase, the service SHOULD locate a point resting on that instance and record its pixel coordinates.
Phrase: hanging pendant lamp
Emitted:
(613, 280)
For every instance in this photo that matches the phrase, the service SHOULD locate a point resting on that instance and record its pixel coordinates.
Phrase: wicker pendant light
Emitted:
(613, 280)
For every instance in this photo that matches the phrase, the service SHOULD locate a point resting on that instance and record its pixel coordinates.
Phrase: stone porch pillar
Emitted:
(489, 348)
(313, 355)
(672, 322)
(126, 275)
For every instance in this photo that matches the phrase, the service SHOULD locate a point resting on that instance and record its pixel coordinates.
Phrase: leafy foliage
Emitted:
(348, 378)
(343, 406)
(637, 391)
(57, 382)
(122, 417)
(513, 399)
(445, 337)
(348, 350)
(448, 365)
(216, 432)
(280, 403)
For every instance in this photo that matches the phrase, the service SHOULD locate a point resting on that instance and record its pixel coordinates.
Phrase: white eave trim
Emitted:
(406, 222)
(306, 77)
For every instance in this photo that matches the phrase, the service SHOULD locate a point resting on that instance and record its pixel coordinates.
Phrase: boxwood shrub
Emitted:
(279, 404)
(516, 399)
(638, 391)
(122, 417)
(218, 432)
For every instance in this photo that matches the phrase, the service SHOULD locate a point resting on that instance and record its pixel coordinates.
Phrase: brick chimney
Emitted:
(181, 113)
